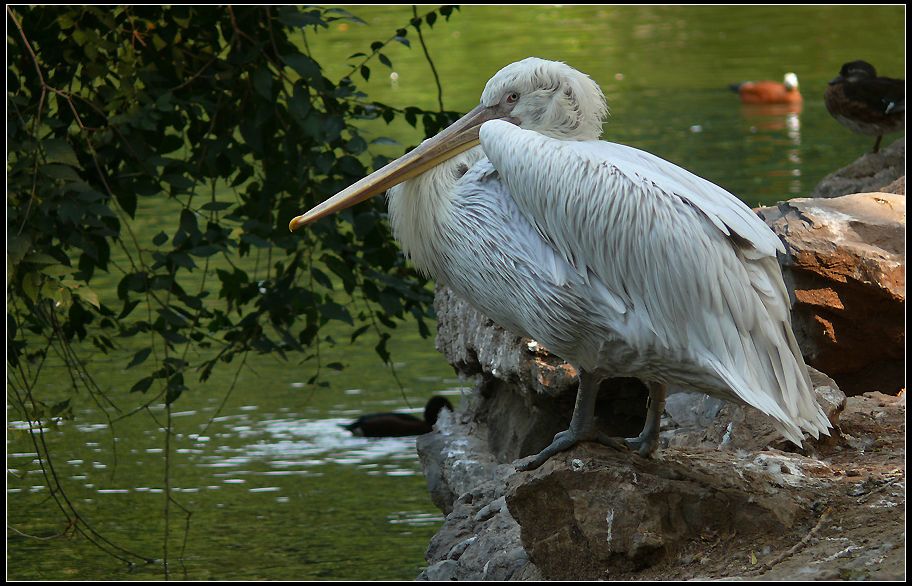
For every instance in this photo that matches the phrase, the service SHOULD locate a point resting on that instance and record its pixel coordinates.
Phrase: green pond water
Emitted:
(275, 488)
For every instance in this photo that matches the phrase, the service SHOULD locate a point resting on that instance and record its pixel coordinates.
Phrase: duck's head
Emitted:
(855, 71)
(791, 81)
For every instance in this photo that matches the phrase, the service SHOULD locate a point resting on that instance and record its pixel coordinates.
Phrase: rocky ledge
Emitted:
(881, 171)
(845, 266)
(593, 513)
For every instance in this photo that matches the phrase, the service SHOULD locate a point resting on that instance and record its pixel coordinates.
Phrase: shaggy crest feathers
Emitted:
(556, 100)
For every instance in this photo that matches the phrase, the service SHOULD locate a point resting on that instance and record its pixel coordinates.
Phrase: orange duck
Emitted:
(769, 92)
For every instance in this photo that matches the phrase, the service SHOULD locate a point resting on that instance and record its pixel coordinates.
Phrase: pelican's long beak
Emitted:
(455, 139)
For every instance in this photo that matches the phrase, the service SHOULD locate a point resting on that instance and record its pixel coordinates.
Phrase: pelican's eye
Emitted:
(512, 97)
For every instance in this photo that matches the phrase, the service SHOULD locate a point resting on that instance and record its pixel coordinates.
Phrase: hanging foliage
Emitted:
(215, 126)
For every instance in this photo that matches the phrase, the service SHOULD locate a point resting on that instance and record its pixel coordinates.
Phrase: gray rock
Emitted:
(696, 419)
(480, 539)
(870, 172)
(898, 187)
(616, 514)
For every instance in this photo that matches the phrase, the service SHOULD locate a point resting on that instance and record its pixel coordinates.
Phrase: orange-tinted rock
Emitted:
(845, 266)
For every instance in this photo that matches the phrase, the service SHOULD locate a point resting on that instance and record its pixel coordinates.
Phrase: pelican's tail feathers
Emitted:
(788, 400)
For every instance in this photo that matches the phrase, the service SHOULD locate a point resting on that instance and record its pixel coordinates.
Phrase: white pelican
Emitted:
(618, 261)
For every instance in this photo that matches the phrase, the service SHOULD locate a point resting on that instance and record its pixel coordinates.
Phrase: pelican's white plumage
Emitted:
(616, 260)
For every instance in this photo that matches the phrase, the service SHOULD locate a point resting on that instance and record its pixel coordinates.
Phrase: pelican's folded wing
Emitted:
(696, 265)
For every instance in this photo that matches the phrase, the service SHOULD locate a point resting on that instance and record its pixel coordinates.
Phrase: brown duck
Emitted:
(865, 103)
(399, 424)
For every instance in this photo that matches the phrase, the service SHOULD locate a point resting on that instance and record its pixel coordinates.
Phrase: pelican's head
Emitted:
(548, 97)
(791, 81)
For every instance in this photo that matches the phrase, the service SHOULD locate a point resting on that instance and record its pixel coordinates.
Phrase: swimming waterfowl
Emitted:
(769, 92)
(865, 103)
(399, 424)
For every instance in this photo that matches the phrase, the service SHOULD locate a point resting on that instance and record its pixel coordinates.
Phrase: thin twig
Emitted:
(193, 77)
(798, 546)
(167, 482)
(880, 488)
(38, 537)
(430, 61)
(227, 394)
(28, 45)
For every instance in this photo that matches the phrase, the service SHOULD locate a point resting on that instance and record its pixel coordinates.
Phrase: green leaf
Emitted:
(39, 258)
(17, 246)
(57, 171)
(142, 385)
(299, 105)
(140, 357)
(60, 409)
(385, 140)
(59, 151)
(216, 206)
(262, 82)
(380, 348)
(357, 333)
(61, 296)
(127, 201)
(321, 278)
(292, 16)
(31, 284)
(344, 15)
(87, 295)
(304, 66)
(188, 222)
(56, 270)
(332, 310)
(175, 388)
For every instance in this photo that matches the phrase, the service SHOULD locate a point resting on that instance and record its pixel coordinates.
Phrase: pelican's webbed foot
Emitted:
(648, 441)
(582, 426)
(644, 444)
(564, 441)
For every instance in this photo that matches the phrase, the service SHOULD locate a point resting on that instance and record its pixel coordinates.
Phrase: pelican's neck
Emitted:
(418, 208)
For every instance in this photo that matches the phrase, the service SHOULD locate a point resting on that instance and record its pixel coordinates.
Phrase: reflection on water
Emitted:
(294, 446)
(266, 458)
(779, 125)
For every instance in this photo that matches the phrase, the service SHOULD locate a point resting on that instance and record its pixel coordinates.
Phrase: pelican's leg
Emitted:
(582, 425)
(877, 144)
(648, 440)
